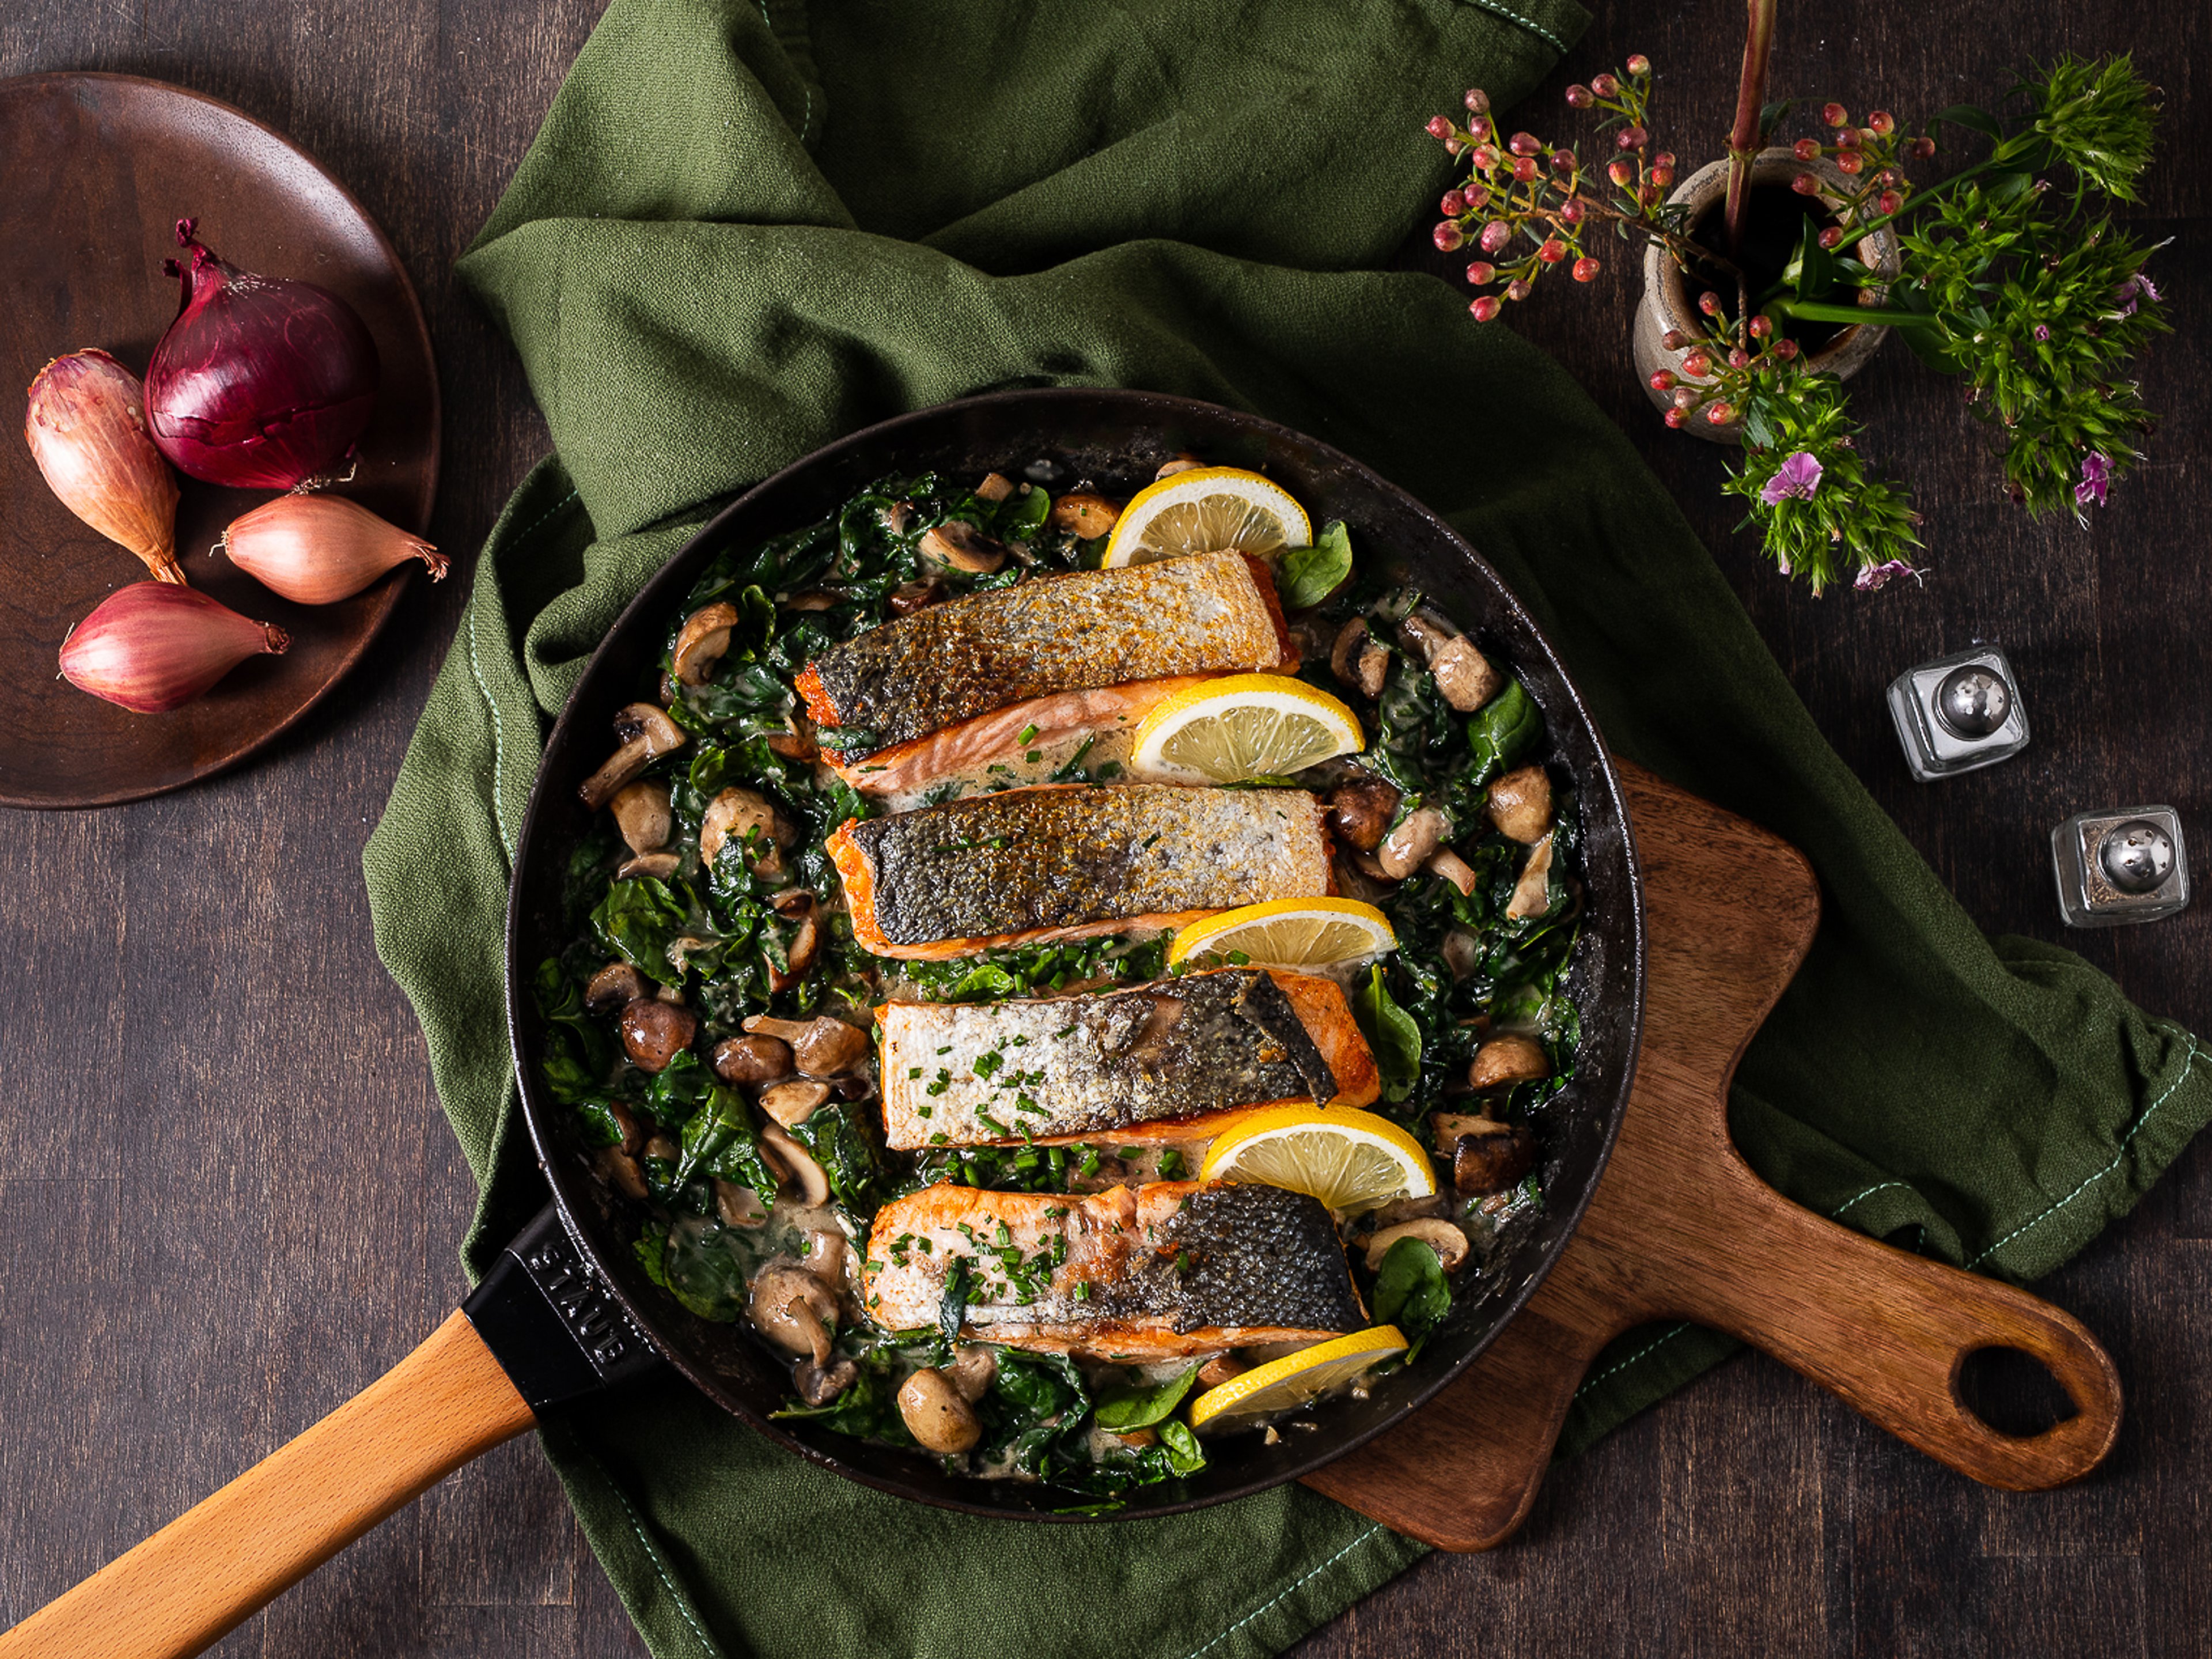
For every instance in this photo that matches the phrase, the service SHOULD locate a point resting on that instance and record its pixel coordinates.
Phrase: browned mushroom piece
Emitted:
(1409, 846)
(1521, 804)
(1507, 1060)
(936, 1415)
(1462, 673)
(1532, 893)
(810, 1186)
(799, 956)
(823, 1045)
(1462, 953)
(654, 1032)
(897, 516)
(824, 1250)
(646, 733)
(1359, 810)
(739, 1206)
(1222, 1368)
(995, 487)
(814, 599)
(749, 818)
(751, 1060)
(1344, 655)
(793, 1102)
(663, 1147)
(642, 814)
(793, 1308)
(700, 642)
(1446, 1127)
(1495, 1158)
(974, 1367)
(621, 1168)
(1183, 463)
(1452, 868)
(959, 545)
(657, 865)
(1085, 515)
(615, 985)
(909, 597)
(794, 745)
(633, 1133)
(1440, 1236)
(818, 1385)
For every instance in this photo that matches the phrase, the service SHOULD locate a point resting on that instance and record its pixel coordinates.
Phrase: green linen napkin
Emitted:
(747, 228)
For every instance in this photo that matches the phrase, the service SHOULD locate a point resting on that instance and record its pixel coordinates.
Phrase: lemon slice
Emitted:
(1351, 1161)
(1284, 1384)
(1208, 509)
(1297, 932)
(1247, 725)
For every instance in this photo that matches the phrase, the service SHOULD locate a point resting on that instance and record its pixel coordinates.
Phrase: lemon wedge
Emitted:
(1208, 509)
(1297, 933)
(1246, 726)
(1351, 1161)
(1284, 1384)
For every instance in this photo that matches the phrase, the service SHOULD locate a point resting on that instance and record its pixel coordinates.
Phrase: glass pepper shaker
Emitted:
(1957, 713)
(2128, 864)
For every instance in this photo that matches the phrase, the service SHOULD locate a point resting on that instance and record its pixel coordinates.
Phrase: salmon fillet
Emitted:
(1067, 860)
(1172, 1269)
(1180, 1051)
(1211, 612)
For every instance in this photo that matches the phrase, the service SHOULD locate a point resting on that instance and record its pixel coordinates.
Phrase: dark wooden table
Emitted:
(228, 1199)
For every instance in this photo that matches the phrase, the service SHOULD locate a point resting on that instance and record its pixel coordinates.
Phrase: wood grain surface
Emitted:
(228, 1201)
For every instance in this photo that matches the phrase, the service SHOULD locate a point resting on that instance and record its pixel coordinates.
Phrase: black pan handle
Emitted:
(552, 1322)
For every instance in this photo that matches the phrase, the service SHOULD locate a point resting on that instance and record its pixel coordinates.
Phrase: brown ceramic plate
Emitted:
(99, 168)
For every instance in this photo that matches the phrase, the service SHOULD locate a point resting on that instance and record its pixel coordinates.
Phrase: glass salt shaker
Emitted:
(1957, 713)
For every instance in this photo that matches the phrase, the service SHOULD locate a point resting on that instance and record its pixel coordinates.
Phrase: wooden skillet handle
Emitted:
(445, 1403)
(1889, 1331)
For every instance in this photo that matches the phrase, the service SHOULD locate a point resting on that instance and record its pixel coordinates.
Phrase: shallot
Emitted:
(151, 647)
(261, 381)
(86, 425)
(315, 549)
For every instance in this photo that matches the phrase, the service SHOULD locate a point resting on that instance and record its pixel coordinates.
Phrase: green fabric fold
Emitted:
(746, 229)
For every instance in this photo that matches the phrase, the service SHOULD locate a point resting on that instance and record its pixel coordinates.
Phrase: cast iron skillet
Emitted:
(1116, 440)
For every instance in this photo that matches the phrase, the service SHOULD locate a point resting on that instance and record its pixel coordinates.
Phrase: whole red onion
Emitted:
(152, 645)
(261, 381)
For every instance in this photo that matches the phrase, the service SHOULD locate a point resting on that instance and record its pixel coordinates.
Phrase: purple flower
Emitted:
(2125, 293)
(1874, 577)
(2096, 476)
(2043, 331)
(1798, 476)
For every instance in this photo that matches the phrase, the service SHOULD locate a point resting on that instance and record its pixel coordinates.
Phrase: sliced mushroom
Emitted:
(1462, 673)
(1532, 894)
(1343, 653)
(700, 642)
(1452, 868)
(741, 1207)
(794, 1309)
(654, 1032)
(799, 957)
(1084, 515)
(1507, 1060)
(818, 1385)
(1359, 810)
(897, 516)
(961, 545)
(657, 865)
(790, 902)
(1408, 1209)
(1222, 1368)
(1462, 953)
(1409, 846)
(613, 987)
(935, 1413)
(751, 1060)
(1373, 668)
(1180, 463)
(664, 1148)
(642, 814)
(797, 1163)
(646, 733)
(995, 487)
(1521, 804)
(620, 1168)
(749, 818)
(632, 1135)
(1447, 1241)
(910, 597)
(1446, 1127)
(825, 1256)
(973, 1369)
(1497, 1157)
(823, 1045)
(791, 1103)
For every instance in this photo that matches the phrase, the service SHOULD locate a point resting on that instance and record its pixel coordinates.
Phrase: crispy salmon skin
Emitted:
(1068, 860)
(964, 1074)
(1209, 613)
(1175, 1268)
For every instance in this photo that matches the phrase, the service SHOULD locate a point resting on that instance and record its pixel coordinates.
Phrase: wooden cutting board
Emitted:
(1679, 1228)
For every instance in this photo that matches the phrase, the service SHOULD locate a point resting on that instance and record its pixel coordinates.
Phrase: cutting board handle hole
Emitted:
(2012, 1392)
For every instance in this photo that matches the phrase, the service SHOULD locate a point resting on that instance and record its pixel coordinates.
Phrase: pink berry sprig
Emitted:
(1872, 157)
(1718, 373)
(1525, 205)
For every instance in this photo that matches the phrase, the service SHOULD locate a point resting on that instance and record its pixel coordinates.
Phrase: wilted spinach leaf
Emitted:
(1411, 1291)
(1123, 1409)
(1391, 1033)
(1307, 575)
(1502, 731)
(638, 920)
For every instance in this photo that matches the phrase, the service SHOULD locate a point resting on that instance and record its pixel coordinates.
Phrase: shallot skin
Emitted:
(316, 549)
(85, 421)
(261, 382)
(151, 647)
